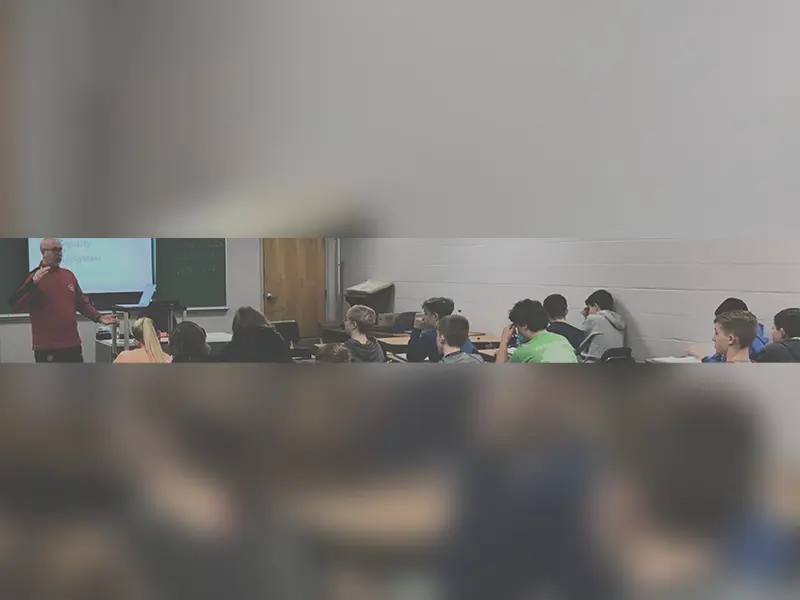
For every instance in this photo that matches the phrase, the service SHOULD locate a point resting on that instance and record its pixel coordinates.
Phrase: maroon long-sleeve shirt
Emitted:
(53, 304)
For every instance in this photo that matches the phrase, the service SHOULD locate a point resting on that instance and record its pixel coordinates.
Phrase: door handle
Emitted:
(269, 297)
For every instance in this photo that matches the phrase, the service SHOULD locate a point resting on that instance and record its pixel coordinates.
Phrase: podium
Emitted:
(166, 314)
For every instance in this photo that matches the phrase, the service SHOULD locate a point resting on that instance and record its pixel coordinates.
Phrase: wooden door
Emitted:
(294, 281)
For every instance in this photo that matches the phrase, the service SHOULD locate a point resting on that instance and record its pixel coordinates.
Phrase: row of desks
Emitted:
(399, 342)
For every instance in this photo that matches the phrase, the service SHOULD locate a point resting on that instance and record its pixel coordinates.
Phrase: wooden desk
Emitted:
(397, 343)
(489, 354)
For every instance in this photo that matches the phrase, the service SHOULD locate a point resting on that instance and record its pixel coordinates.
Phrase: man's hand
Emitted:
(419, 321)
(108, 320)
(508, 332)
(37, 277)
(505, 339)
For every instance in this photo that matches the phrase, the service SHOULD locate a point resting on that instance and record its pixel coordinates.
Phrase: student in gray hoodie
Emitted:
(452, 332)
(359, 321)
(606, 327)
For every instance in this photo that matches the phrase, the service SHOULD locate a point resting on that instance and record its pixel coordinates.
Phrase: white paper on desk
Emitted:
(673, 359)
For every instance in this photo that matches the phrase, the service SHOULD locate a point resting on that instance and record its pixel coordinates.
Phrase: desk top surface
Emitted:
(211, 338)
(404, 338)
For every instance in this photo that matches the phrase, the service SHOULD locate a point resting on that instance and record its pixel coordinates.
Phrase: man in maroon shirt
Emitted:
(53, 297)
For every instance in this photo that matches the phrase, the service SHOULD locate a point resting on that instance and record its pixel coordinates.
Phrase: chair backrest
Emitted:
(583, 349)
(404, 322)
(617, 355)
(289, 330)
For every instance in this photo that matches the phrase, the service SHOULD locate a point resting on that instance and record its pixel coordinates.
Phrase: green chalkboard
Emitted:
(190, 270)
(13, 268)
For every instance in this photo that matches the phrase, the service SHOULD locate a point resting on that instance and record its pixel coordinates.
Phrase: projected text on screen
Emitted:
(104, 265)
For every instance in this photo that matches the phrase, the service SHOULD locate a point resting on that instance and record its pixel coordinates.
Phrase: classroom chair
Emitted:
(404, 322)
(617, 355)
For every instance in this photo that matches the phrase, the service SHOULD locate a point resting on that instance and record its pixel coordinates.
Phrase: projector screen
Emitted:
(104, 265)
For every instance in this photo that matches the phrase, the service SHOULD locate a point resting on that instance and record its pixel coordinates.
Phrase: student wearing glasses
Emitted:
(53, 297)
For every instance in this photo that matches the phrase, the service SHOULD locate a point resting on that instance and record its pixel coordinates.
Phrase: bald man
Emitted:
(53, 297)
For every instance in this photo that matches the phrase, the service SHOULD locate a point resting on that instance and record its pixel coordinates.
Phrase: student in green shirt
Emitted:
(529, 320)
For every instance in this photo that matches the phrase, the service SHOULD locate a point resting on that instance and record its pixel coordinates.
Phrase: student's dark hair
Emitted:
(454, 329)
(529, 313)
(742, 324)
(789, 320)
(334, 353)
(556, 306)
(694, 453)
(247, 317)
(439, 306)
(730, 305)
(188, 342)
(602, 298)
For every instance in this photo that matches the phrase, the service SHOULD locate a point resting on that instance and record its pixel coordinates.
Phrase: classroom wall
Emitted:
(667, 289)
(56, 105)
(244, 288)
(593, 116)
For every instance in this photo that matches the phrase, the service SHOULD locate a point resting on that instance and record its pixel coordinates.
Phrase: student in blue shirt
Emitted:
(422, 344)
(758, 345)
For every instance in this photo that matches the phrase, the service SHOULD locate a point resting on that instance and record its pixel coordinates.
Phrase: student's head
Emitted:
(529, 317)
(187, 342)
(52, 252)
(146, 336)
(435, 309)
(334, 353)
(360, 319)
(689, 461)
(555, 305)
(598, 301)
(452, 332)
(247, 317)
(787, 325)
(730, 305)
(734, 330)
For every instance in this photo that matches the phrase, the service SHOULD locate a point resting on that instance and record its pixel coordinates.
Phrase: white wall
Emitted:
(55, 97)
(244, 288)
(588, 118)
(668, 289)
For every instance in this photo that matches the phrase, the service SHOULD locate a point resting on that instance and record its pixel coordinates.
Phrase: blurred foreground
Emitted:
(240, 482)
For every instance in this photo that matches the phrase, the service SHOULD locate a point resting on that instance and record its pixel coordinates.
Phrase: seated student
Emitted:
(606, 326)
(556, 307)
(187, 343)
(730, 305)
(255, 340)
(529, 319)
(422, 344)
(734, 333)
(451, 334)
(359, 321)
(334, 353)
(148, 344)
(785, 346)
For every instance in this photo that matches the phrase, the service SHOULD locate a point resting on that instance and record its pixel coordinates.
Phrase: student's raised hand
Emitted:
(419, 321)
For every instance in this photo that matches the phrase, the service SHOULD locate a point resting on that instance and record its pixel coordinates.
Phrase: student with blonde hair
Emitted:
(358, 324)
(148, 344)
(333, 353)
